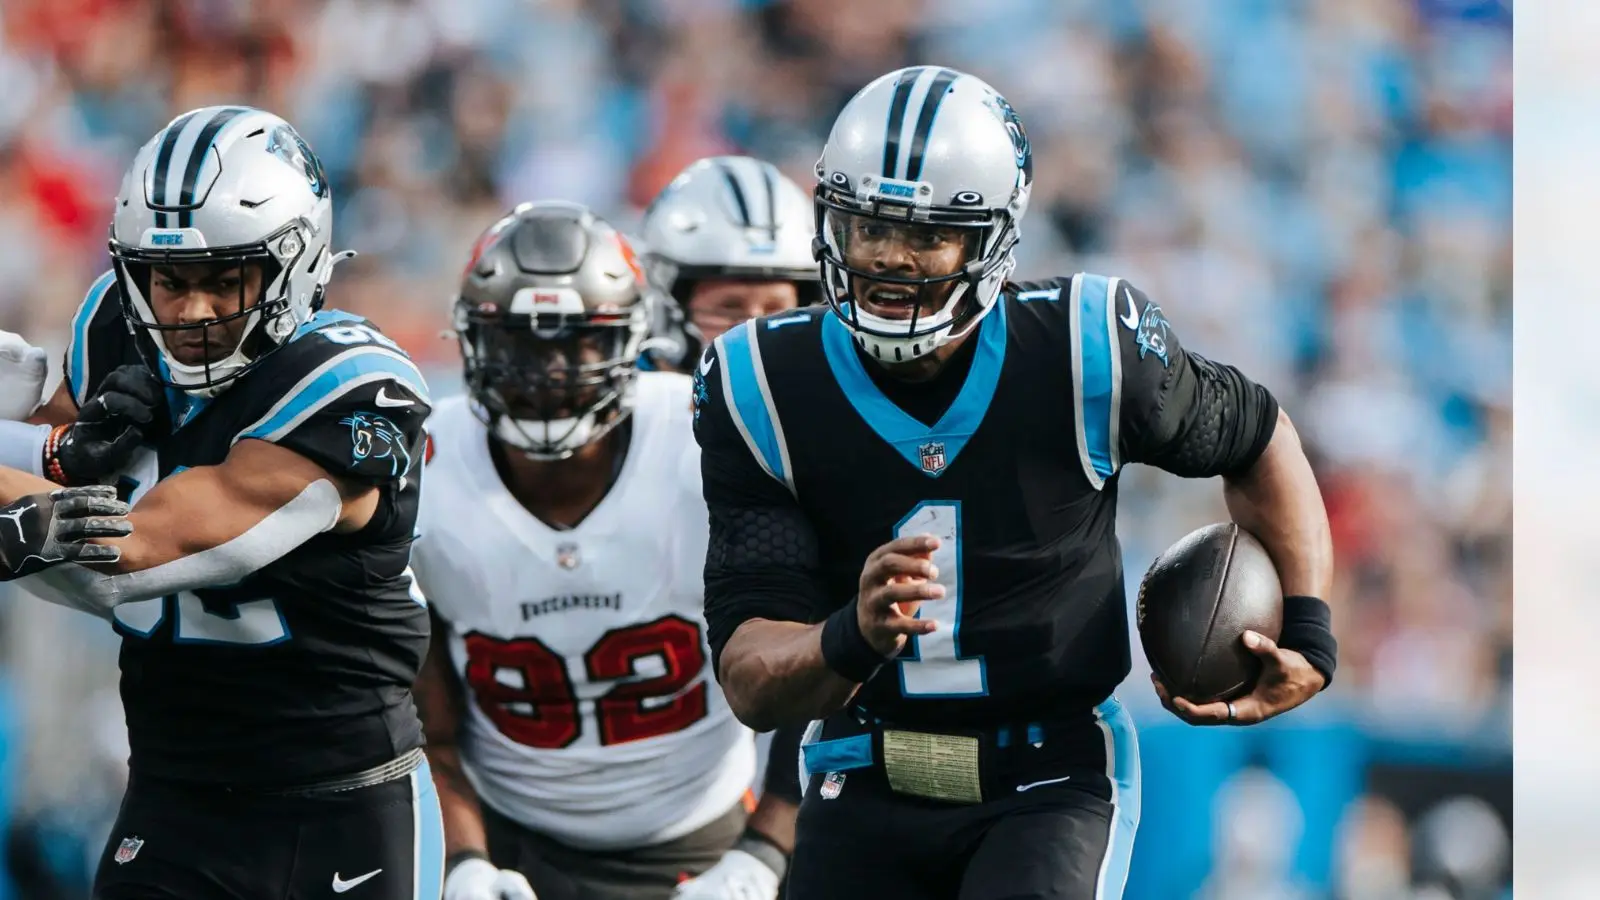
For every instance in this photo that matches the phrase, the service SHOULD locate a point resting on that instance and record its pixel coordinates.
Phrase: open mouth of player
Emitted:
(893, 301)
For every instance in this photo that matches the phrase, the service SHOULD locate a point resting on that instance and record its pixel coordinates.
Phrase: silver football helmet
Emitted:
(921, 191)
(727, 217)
(550, 318)
(224, 183)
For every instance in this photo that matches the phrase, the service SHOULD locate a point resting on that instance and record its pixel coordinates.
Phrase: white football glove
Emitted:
(737, 876)
(478, 879)
(23, 368)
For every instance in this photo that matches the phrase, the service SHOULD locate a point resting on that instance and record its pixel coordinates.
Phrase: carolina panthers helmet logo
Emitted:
(377, 444)
(286, 144)
(1019, 137)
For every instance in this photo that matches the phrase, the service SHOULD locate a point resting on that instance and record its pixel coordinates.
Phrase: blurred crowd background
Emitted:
(1317, 191)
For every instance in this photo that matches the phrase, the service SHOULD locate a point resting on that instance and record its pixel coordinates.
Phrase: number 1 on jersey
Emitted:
(931, 664)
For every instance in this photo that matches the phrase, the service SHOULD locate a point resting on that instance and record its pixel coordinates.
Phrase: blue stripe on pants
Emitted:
(428, 833)
(1122, 764)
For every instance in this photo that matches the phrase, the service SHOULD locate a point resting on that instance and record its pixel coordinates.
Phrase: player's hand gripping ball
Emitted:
(1196, 603)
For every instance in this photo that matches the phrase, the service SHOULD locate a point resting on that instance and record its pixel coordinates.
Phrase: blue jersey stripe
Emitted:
(77, 374)
(746, 402)
(1098, 371)
(346, 372)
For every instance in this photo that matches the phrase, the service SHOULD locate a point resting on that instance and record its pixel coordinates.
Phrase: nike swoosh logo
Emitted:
(340, 885)
(705, 364)
(387, 401)
(1024, 787)
(1131, 317)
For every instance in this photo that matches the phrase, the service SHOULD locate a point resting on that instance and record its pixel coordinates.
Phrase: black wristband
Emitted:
(845, 648)
(764, 849)
(1308, 630)
(461, 856)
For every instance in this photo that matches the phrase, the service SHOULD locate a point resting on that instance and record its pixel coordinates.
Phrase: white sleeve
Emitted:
(22, 446)
(315, 510)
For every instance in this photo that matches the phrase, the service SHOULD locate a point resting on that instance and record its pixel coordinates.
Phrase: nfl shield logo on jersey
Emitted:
(567, 556)
(127, 850)
(932, 456)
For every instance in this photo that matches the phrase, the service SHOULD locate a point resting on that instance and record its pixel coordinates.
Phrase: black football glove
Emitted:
(130, 405)
(44, 530)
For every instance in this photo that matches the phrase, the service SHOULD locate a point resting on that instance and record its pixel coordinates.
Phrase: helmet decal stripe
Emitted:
(739, 200)
(197, 158)
(897, 114)
(158, 188)
(181, 151)
(769, 178)
(930, 108)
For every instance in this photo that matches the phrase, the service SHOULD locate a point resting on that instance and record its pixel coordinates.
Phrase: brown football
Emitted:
(1195, 604)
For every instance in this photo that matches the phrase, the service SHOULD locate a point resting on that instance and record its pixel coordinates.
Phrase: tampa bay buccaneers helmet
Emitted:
(550, 318)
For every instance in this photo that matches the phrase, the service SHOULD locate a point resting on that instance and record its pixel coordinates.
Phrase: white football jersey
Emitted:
(593, 714)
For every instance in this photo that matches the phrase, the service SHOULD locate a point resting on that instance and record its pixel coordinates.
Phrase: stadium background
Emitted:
(1316, 190)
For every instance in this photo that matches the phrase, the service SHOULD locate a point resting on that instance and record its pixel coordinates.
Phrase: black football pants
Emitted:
(1057, 823)
(381, 842)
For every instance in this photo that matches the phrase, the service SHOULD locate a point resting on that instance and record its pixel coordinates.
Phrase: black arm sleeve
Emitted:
(1180, 411)
(762, 555)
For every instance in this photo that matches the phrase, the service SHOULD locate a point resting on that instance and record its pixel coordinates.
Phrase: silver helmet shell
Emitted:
(225, 184)
(919, 148)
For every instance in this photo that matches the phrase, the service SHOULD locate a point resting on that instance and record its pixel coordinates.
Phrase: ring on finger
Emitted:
(1233, 714)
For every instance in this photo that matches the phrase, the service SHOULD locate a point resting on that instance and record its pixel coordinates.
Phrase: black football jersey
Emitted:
(303, 670)
(813, 456)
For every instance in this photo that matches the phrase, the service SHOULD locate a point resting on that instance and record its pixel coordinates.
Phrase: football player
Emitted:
(912, 495)
(728, 239)
(270, 450)
(580, 745)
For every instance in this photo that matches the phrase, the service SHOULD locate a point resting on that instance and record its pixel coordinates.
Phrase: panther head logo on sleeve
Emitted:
(374, 439)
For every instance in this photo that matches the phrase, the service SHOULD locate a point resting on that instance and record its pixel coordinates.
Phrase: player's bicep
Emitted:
(762, 551)
(1180, 411)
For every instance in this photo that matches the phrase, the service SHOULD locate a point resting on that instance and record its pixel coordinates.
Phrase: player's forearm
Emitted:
(458, 802)
(1278, 501)
(773, 674)
(774, 816)
(774, 819)
(14, 485)
(179, 544)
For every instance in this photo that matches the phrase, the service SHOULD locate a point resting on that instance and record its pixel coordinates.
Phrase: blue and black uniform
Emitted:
(274, 746)
(813, 456)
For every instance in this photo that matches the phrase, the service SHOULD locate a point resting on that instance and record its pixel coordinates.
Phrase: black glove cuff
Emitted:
(845, 648)
(1308, 630)
(762, 847)
(461, 856)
